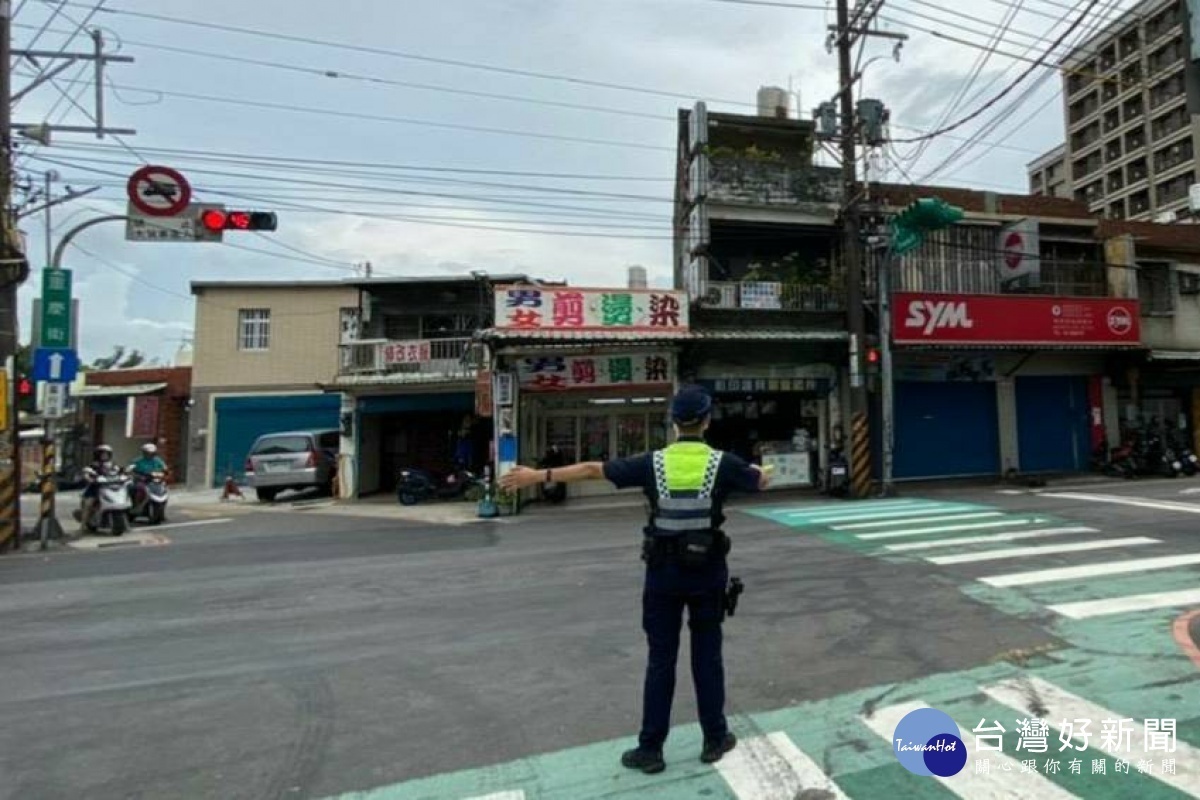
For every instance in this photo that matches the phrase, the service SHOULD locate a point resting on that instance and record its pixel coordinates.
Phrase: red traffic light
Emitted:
(217, 220)
(872, 356)
(24, 387)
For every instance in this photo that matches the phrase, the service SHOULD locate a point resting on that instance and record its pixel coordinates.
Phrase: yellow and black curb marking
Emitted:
(8, 510)
(860, 456)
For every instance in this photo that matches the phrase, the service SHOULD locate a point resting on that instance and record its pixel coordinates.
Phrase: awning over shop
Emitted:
(120, 391)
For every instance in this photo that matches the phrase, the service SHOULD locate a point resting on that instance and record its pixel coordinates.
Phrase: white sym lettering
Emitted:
(931, 315)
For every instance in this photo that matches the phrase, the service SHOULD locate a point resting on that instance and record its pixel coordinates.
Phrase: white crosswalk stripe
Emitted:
(971, 526)
(996, 785)
(1092, 570)
(918, 520)
(772, 768)
(516, 794)
(1086, 609)
(1040, 550)
(1011, 536)
(1055, 705)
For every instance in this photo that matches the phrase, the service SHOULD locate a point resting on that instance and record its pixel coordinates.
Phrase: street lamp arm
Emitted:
(56, 261)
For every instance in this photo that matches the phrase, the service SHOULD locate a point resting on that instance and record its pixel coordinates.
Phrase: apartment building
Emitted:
(1131, 140)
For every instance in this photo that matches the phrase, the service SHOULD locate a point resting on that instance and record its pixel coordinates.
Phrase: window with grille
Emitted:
(254, 329)
(1154, 288)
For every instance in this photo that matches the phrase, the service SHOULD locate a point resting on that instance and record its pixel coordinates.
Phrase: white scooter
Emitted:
(109, 510)
(149, 495)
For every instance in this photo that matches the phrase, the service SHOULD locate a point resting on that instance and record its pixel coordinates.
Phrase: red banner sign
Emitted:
(1013, 319)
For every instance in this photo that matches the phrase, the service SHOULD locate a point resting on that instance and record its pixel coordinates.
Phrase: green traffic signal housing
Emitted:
(922, 216)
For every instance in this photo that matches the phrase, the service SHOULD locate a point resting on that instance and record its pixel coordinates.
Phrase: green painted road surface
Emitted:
(1110, 598)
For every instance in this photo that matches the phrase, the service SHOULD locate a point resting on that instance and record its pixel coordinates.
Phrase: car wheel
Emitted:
(408, 498)
(266, 495)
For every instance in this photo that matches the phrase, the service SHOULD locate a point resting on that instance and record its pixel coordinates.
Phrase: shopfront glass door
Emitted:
(631, 434)
(594, 437)
(561, 431)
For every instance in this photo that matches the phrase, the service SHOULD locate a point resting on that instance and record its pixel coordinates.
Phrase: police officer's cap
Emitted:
(691, 405)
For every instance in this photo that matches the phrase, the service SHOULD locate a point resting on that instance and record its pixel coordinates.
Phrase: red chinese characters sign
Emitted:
(1013, 319)
(414, 352)
(569, 309)
(555, 373)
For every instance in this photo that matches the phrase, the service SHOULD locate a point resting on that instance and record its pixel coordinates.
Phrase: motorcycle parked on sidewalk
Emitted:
(148, 498)
(1184, 453)
(417, 485)
(108, 511)
(837, 477)
(1155, 458)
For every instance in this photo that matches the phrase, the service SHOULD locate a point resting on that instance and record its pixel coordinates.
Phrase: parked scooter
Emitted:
(1155, 458)
(108, 511)
(417, 485)
(1184, 453)
(837, 477)
(148, 498)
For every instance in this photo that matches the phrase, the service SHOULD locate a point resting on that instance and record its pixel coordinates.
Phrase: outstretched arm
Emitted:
(521, 477)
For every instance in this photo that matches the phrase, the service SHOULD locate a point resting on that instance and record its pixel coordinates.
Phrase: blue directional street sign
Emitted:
(58, 364)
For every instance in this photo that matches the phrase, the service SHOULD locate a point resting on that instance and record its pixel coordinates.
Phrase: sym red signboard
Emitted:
(974, 319)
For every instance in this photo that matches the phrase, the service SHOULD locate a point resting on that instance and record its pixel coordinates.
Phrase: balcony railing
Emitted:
(426, 359)
(770, 296)
(758, 182)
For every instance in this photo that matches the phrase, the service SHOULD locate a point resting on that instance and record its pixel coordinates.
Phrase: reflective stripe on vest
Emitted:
(684, 476)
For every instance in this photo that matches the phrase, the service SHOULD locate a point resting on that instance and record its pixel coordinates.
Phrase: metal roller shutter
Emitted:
(241, 420)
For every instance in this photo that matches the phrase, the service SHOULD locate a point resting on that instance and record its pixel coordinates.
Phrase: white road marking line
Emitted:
(1010, 491)
(516, 794)
(1011, 536)
(974, 526)
(1120, 605)
(1056, 705)
(1091, 570)
(1037, 550)
(772, 768)
(872, 511)
(919, 520)
(192, 524)
(1193, 490)
(818, 508)
(994, 785)
(1139, 502)
(857, 516)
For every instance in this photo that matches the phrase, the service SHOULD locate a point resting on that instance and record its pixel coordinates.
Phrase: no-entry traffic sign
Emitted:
(159, 191)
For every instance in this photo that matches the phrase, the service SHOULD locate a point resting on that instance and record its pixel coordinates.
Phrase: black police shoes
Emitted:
(648, 761)
(715, 749)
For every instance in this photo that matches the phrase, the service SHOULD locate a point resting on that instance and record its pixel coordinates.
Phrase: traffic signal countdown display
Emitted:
(217, 220)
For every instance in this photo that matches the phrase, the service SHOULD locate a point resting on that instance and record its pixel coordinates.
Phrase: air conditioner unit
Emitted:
(720, 295)
(1189, 282)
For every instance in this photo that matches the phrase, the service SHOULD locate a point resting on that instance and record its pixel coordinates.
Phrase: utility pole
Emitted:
(12, 272)
(853, 26)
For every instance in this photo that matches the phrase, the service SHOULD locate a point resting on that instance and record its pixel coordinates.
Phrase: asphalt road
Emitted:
(301, 655)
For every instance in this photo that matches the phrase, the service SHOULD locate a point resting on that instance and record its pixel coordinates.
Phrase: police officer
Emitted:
(684, 549)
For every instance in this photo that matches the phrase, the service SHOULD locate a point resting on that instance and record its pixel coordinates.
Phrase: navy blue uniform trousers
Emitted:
(669, 589)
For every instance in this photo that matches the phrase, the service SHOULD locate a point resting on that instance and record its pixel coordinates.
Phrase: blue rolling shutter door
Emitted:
(1053, 434)
(946, 430)
(241, 420)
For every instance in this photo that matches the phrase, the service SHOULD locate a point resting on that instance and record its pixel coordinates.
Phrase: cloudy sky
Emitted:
(419, 162)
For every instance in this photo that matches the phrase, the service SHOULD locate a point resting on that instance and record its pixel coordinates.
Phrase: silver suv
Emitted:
(293, 460)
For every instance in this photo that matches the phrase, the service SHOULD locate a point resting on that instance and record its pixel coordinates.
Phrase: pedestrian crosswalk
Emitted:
(1074, 571)
(843, 748)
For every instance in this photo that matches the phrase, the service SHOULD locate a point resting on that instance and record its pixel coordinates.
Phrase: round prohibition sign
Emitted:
(159, 191)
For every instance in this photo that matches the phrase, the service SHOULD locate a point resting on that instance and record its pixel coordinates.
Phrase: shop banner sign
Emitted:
(594, 310)
(554, 373)
(924, 318)
(141, 417)
(1020, 255)
(483, 394)
(411, 352)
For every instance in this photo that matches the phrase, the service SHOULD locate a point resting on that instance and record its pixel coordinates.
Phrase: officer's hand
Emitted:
(764, 476)
(519, 478)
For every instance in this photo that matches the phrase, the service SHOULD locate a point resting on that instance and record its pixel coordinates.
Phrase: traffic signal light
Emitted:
(873, 356)
(26, 394)
(217, 220)
(922, 216)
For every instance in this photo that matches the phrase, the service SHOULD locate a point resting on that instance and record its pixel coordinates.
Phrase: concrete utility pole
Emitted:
(851, 27)
(11, 268)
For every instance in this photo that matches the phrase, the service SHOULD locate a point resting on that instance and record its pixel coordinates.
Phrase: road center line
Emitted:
(1011, 536)
(1121, 605)
(1057, 705)
(974, 526)
(1037, 550)
(996, 784)
(1091, 570)
(918, 521)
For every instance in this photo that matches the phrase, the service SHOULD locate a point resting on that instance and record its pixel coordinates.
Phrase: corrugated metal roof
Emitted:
(120, 391)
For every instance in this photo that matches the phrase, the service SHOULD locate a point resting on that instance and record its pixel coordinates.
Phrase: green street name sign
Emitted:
(56, 308)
